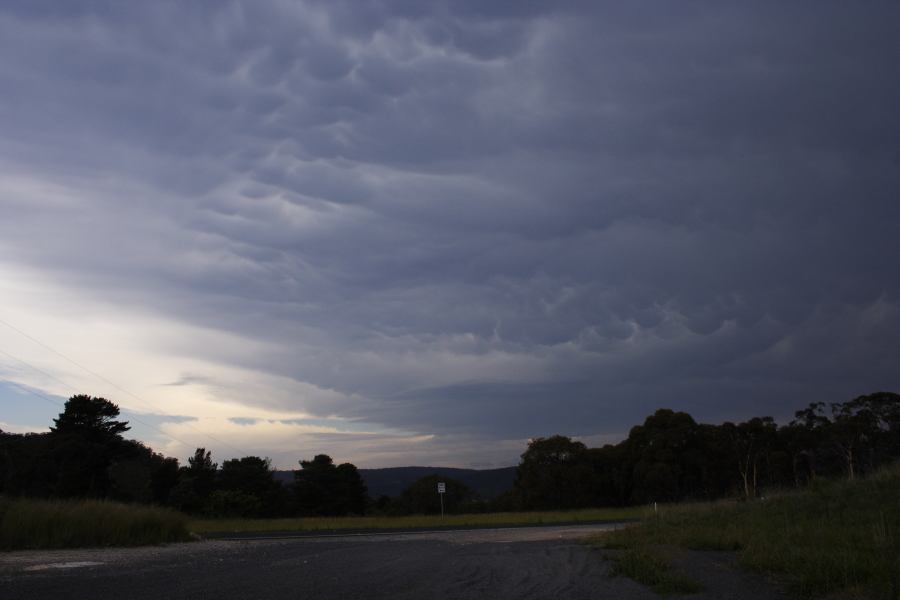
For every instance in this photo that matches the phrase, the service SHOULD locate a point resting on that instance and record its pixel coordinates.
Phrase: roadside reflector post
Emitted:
(442, 488)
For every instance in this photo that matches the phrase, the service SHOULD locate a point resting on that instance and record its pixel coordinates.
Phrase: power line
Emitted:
(114, 385)
(33, 392)
(74, 389)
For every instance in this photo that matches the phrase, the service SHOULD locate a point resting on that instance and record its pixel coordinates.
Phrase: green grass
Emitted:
(832, 538)
(38, 524)
(645, 566)
(409, 522)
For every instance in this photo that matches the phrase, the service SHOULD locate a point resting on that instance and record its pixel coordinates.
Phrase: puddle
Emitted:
(63, 565)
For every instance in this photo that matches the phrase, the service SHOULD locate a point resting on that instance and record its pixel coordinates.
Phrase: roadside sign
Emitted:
(442, 487)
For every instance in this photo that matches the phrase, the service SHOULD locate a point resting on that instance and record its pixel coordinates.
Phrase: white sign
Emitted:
(442, 487)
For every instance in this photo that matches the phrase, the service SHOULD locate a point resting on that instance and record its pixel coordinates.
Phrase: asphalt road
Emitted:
(521, 563)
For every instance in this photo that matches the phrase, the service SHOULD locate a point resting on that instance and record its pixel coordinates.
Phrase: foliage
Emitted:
(671, 457)
(555, 473)
(195, 484)
(668, 456)
(246, 485)
(92, 418)
(248, 474)
(234, 504)
(84, 456)
(323, 489)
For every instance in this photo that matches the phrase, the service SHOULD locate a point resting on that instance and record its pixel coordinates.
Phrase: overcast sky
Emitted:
(409, 232)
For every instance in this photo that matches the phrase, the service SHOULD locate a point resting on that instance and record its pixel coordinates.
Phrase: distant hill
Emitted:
(488, 483)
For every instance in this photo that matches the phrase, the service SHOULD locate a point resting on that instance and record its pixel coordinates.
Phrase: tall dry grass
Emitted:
(34, 524)
(836, 536)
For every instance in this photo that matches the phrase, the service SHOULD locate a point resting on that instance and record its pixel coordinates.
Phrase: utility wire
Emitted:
(35, 393)
(114, 385)
(74, 389)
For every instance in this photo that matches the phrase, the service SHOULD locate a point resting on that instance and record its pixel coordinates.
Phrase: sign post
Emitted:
(442, 488)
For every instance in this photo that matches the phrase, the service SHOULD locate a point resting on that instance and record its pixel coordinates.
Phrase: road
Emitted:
(520, 563)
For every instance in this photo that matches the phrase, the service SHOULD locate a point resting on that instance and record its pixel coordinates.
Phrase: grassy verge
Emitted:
(410, 522)
(836, 537)
(35, 524)
(645, 566)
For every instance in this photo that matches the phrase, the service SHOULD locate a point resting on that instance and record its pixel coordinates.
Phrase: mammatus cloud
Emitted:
(410, 233)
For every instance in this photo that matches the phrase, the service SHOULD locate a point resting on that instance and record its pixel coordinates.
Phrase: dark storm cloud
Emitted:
(503, 219)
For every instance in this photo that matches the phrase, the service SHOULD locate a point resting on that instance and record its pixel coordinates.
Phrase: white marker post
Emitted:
(442, 488)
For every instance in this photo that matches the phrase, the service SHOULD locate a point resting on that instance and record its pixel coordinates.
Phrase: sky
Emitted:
(423, 233)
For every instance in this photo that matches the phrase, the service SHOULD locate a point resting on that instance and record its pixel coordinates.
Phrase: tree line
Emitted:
(84, 455)
(670, 457)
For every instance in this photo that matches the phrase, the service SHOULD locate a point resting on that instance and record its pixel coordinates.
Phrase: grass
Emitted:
(410, 522)
(645, 566)
(40, 524)
(837, 537)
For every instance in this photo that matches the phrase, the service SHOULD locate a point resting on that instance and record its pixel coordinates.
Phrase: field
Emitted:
(38, 524)
(411, 522)
(838, 537)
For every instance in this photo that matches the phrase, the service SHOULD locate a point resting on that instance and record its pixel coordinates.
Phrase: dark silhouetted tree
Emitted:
(28, 465)
(611, 475)
(250, 478)
(92, 418)
(751, 442)
(885, 409)
(196, 483)
(85, 441)
(138, 474)
(863, 431)
(321, 488)
(668, 457)
(555, 473)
